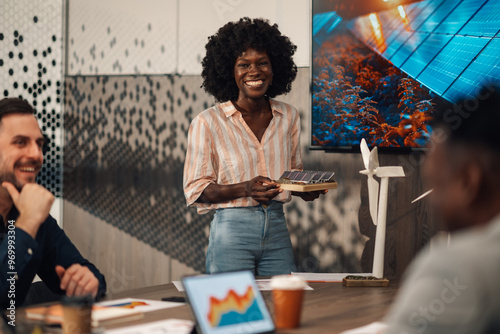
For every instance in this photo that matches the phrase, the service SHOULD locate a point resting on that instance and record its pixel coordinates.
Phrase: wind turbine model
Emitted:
(378, 206)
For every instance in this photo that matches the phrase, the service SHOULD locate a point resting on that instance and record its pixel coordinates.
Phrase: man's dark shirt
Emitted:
(40, 256)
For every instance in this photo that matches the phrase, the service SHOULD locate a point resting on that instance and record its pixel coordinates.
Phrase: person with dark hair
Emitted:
(238, 147)
(31, 241)
(455, 289)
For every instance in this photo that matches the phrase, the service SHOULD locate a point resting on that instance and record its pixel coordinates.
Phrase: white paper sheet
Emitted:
(148, 305)
(170, 326)
(373, 328)
(178, 285)
(326, 277)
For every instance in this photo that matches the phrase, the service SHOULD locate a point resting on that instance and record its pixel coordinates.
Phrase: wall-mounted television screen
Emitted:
(381, 68)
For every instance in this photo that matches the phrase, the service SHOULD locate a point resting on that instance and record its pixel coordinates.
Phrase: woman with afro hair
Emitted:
(237, 147)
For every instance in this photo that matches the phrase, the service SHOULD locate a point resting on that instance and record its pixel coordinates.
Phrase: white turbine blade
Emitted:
(393, 171)
(422, 196)
(373, 198)
(365, 152)
(373, 162)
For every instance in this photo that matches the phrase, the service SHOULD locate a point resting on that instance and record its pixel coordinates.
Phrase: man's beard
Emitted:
(9, 177)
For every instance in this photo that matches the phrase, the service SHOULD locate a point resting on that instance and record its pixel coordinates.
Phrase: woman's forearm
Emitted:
(216, 193)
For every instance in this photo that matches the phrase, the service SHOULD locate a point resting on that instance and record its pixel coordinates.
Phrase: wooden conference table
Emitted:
(329, 308)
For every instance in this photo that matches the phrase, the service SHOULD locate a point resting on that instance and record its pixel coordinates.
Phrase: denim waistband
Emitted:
(270, 206)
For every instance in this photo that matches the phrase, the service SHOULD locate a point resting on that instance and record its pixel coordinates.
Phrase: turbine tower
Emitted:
(378, 200)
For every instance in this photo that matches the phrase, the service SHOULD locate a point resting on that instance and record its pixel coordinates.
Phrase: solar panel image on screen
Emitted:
(450, 62)
(459, 17)
(424, 54)
(439, 14)
(382, 75)
(450, 46)
(323, 25)
(486, 22)
(408, 48)
(486, 67)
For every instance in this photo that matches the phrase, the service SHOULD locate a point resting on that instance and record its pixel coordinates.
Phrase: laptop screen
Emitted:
(228, 303)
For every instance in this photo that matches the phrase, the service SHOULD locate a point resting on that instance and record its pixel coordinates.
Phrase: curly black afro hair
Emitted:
(231, 41)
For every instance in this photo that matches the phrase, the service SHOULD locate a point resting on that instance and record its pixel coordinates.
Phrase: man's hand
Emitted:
(263, 189)
(33, 203)
(309, 196)
(77, 280)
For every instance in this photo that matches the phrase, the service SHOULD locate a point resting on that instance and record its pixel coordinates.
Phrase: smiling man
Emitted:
(31, 241)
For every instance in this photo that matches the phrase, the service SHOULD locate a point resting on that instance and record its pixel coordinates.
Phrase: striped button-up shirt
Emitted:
(223, 150)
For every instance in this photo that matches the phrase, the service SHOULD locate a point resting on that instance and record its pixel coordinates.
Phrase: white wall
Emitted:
(167, 36)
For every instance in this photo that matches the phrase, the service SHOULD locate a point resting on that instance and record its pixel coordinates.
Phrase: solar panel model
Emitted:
(308, 180)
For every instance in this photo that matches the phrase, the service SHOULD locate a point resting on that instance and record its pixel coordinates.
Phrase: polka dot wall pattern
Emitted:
(122, 37)
(125, 143)
(31, 68)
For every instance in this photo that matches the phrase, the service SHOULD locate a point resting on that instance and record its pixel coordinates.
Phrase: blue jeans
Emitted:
(250, 238)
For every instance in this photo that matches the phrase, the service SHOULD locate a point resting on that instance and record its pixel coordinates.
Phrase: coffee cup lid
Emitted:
(78, 301)
(287, 282)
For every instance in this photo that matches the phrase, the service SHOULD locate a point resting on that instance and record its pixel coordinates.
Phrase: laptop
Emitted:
(228, 303)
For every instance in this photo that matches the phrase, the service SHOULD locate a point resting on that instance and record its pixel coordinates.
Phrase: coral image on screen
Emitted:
(234, 309)
(380, 75)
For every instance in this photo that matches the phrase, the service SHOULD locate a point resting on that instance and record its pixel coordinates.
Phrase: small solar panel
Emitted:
(285, 174)
(308, 176)
(318, 176)
(293, 175)
(328, 176)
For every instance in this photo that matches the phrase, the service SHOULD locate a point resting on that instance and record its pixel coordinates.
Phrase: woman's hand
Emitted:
(309, 196)
(263, 189)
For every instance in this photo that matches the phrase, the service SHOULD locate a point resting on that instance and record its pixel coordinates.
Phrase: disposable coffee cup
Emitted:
(288, 294)
(77, 315)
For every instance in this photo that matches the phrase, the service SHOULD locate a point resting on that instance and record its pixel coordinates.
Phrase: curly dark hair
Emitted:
(231, 41)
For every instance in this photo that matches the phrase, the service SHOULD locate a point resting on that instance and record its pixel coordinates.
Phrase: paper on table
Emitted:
(326, 277)
(373, 328)
(263, 284)
(178, 285)
(170, 326)
(143, 305)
